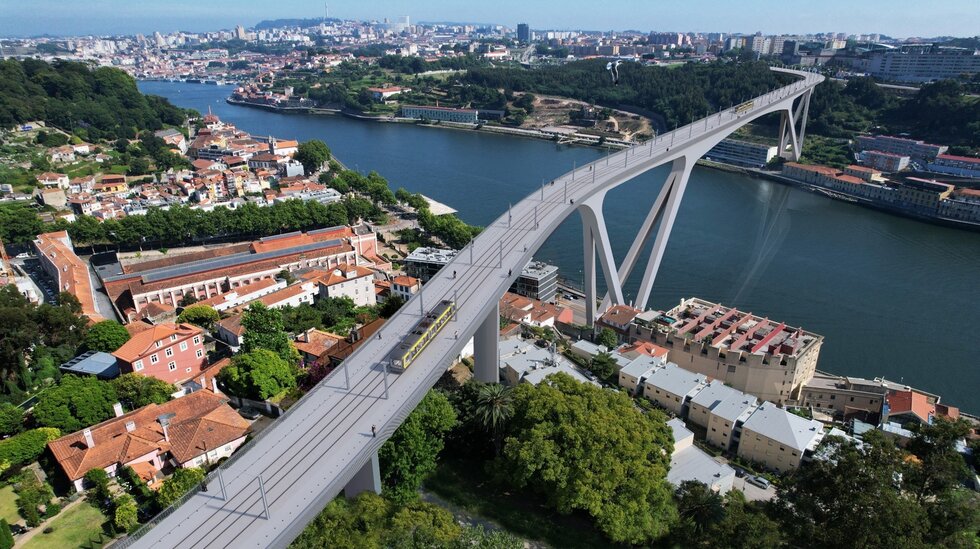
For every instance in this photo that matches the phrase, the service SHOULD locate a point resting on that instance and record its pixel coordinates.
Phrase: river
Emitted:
(892, 297)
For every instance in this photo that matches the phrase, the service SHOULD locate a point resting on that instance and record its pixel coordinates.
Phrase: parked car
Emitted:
(739, 471)
(249, 413)
(758, 481)
(17, 529)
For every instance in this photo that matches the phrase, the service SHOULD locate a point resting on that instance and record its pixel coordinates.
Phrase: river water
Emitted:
(893, 297)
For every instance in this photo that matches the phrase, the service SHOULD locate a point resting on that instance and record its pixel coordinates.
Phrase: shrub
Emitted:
(6, 538)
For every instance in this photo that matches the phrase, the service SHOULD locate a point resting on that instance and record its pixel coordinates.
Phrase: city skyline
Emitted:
(117, 17)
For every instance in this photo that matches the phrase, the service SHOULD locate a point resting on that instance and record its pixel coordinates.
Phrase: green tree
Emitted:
(135, 390)
(124, 517)
(698, 507)
(31, 495)
(312, 154)
(11, 419)
(391, 306)
(410, 454)
(588, 449)
(138, 166)
(75, 403)
(851, 500)
(603, 365)
(940, 467)
(494, 408)
(607, 338)
(259, 374)
(744, 526)
(6, 537)
(177, 485)
(25, 447)
(98, 481)
(200, 315)
(264, 330)
(106, 336)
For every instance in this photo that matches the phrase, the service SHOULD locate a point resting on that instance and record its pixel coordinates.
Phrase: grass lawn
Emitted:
(8, 505)
(522, 514)
(80, 526)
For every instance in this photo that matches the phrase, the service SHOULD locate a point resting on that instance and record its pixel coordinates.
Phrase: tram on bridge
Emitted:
(425, 331)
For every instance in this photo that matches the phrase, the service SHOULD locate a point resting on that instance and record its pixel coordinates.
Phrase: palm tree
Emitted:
(494, 406)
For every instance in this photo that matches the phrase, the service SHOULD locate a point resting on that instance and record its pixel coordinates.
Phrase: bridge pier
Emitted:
(486, 348)
(367, 479)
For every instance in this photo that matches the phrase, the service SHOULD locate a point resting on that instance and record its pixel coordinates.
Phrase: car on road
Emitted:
(758, 481)
(17, 529)
(740, 472)
(249, 413)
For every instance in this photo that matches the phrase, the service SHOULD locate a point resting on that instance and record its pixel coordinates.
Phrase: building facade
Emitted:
(443, 114)
(169, 352)
(742, 153)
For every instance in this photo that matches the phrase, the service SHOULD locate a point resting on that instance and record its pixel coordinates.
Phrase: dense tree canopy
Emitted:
(106, 336)
(410, 454)
(370, 521)
(93, 103)
(264, 330)
(75, 403)
(587, 449)
(200, 315)
(312, 154)
(135, 390)
(258, 374)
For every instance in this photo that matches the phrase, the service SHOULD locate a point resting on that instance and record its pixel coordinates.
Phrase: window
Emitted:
(138, 365)
(173, 337)
(170, 351)
(731, 369)
(200, 353)
(183, 345)
(172, 365)
(158, 344)
(154, 358)
(188, 370)
(197, 340)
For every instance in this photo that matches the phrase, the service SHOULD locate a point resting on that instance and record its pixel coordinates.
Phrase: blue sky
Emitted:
(900, 18)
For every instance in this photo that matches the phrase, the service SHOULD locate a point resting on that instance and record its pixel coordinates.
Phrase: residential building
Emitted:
(742, 153)
(912, 406)
(173, 138)
(752, 354)
(845, 397)
(171, 352)
(619, 319)
(191, 431)
(93, 363)
(443, 114)
(523, 33)
(635, 373)
(49, 179)
(778, 439)
(923, 63)
(523, 362)
(346, 280)
(69, 273)
(240, 295)
(886, 162)
(405, 287)
(532, 312)
(313, 343)
(673, 387)
(230, 331)
(382, 94)
(586, 349)
(290, 296)
(538, 280)
(917, 150)
(722, 411)
(688, 462)
(962, 166)
(53, 197)
(424, 263)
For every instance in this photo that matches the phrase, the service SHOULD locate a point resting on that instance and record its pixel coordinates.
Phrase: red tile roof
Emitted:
(200, 419)
(143, 342)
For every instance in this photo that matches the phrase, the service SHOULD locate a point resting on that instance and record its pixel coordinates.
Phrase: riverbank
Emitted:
(563, 139)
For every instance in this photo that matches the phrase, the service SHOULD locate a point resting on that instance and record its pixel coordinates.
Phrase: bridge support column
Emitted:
(791, 136)
(595, 238)
(486, 348)
(367, 479)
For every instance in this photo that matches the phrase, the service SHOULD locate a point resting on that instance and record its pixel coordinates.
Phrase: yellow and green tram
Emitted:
(425, 331)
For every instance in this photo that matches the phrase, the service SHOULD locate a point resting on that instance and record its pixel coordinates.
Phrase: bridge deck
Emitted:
(307, 456)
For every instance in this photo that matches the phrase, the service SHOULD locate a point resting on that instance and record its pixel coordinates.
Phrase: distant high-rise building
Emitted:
(158, 39)
(240, 32)
(523, 33)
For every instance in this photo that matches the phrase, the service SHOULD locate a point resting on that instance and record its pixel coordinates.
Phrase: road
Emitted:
(309, 454)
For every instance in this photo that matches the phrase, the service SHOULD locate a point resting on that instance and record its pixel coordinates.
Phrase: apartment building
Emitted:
(170, 352)
(69, 273)
(778, 439)
(722, 411)
(742, 153)
(633, 375)
(963, 166)
(915, 149)
(443, 114)
(351, 281)
(673, 387)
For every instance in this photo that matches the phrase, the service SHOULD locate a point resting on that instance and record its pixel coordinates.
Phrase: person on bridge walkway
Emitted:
(374, 431)
(456, 334)
(454, 274)
(509, 272)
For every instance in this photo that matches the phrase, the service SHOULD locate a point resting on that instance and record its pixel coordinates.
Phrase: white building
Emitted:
(778, 439)
(688, 462)
(351, 281)
(632, 376)
(673, 387)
